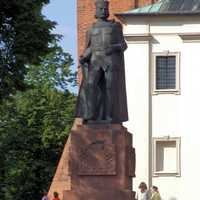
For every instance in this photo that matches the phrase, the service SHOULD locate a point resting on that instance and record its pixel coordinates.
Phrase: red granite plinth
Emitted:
(98, 163)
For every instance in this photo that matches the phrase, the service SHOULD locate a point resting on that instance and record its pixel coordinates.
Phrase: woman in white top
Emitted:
(143, 194)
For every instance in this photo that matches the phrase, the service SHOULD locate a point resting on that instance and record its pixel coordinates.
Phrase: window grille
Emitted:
(166, 73)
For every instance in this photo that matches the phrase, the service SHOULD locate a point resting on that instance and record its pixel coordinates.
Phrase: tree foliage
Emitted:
(33, 128)
(53, 72)
(25, 35)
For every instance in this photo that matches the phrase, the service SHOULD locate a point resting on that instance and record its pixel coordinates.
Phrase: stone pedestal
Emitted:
(98, 163)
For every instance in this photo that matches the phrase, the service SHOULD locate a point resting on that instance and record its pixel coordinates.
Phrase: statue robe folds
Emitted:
(102, 94)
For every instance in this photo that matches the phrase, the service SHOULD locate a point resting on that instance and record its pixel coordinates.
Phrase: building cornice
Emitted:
(138, 37)
(189, 36)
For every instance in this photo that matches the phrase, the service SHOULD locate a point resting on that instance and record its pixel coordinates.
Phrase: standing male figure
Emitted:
(102, 95)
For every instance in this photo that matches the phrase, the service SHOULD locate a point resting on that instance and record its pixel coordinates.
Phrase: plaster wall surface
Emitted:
(137, 65)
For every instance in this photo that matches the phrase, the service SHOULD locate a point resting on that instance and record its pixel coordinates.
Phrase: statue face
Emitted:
(102, 11)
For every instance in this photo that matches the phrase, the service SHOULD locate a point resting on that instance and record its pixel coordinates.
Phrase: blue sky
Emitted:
(64, 13)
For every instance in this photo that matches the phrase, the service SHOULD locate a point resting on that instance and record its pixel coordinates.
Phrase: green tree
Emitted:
(54, 71)
(25, 35)
(33, 128)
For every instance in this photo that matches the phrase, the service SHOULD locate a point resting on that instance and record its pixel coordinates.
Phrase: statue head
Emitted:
(102, 9)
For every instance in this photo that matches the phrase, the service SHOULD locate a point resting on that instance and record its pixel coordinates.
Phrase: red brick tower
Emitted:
(85, 14)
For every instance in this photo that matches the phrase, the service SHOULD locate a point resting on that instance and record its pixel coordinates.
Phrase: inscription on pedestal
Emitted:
(97, 158)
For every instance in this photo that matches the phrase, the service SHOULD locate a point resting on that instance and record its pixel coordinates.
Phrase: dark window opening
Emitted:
(165, 72)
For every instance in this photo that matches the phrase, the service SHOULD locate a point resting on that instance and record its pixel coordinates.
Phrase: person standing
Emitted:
(155, 195)
(56, 196)
(143, 194)
(45, 197)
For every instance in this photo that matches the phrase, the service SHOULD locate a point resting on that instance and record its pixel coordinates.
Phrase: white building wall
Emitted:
(137, 66)
(166, 115)
(190, 120)
(174, 115)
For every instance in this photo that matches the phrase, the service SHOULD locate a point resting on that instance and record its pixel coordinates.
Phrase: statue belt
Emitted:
(99, 49)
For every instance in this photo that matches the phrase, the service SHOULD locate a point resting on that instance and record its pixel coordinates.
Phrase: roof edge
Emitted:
(158, 14)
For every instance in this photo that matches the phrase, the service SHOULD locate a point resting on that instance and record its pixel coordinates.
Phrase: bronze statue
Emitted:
(102, 95)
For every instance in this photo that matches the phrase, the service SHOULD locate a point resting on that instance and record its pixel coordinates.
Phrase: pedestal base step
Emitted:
(99, 195)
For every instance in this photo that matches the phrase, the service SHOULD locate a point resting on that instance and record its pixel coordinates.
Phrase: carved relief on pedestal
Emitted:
(97, 158)
(131, 160)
